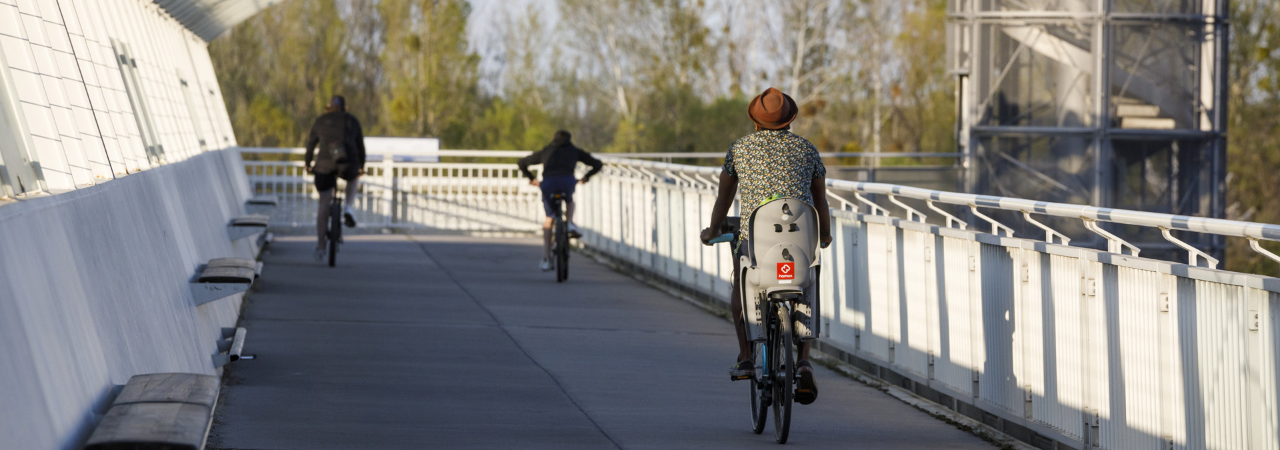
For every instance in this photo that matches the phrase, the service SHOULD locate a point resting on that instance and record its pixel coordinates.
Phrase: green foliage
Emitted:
(505, 126)
(1253, 142)
(284, 63)
(265, 123)
(924, 120)
(429, 73)
(623, 76)
(677, 120)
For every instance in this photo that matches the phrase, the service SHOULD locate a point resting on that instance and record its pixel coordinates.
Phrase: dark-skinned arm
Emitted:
(819, 190)
(724, 200)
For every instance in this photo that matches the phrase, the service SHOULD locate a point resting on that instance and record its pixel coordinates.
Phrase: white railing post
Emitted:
(388, 188)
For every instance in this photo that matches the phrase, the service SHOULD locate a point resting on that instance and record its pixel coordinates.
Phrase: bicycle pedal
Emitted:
(739, 377)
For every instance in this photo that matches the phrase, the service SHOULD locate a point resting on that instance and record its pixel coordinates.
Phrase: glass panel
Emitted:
(1056, 169)
(959, 46)
(1037, 5)
(133, 87)
(1162, 176)
(191, 112)
(1155, 75)
(1037, 74)
(1157, 6)
(17, 168)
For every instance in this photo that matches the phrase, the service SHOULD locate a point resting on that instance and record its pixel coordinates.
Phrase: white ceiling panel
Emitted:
(210, 18)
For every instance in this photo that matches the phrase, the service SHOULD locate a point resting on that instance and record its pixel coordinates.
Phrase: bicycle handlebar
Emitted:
(727, 237)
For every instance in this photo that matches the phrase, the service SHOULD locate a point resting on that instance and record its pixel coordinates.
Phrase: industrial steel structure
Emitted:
(1112, 103)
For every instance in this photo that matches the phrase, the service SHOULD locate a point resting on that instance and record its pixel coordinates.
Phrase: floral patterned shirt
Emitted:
(772, 163)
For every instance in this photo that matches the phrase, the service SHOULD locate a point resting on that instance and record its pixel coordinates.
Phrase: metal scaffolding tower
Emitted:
(1114, 103)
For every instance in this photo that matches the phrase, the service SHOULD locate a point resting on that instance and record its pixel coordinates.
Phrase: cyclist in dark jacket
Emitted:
(559, 160)
(336, 147)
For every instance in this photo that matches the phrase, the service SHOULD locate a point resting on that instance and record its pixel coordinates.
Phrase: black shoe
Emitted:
(743, 370)
(349, 219)
(806, 389)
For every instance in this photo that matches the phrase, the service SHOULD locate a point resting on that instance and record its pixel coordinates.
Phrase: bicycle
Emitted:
(559, 238)
(782, 313)
(335, 225)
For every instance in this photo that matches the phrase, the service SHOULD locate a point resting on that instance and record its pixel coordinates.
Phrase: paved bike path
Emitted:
(459, 342)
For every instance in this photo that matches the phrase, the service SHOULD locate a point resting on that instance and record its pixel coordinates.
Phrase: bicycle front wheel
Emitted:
(784, 375)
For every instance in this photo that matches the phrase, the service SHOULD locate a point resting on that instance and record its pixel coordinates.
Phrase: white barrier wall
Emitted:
(104, 88)
(93, 290)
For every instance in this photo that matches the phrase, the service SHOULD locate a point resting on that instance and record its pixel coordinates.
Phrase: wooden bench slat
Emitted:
(251, 220)
(191, 388)
(227, 274)
(264, 200)
(232, 262)
(151, 426)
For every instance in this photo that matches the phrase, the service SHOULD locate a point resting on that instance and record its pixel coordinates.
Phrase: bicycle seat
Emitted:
(784, 243)
(783, 261)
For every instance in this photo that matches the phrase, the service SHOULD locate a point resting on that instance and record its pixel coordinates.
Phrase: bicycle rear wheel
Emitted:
(784, 375)
(759, 408)
(335, 231)
(562, 251)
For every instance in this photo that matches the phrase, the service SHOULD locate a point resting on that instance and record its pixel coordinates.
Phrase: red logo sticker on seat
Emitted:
(786, 271)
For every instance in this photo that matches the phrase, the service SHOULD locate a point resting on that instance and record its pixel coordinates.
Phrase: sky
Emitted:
(484, 41)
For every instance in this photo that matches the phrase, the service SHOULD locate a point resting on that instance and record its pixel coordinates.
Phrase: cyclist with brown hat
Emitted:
(769, 163)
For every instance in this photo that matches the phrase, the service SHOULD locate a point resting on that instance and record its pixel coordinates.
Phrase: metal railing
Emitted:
(397, 194)
(1090, 348)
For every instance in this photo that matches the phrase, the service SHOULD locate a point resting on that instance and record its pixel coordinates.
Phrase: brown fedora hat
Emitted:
(772, 109)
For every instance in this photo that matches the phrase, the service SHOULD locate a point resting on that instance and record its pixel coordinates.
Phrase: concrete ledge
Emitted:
(145, 426)
(222, 277)
(245, 226)
(170, 387)
(262, 204)
(170, 411)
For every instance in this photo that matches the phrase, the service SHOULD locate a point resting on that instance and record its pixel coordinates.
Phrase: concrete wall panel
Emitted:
(93, 290)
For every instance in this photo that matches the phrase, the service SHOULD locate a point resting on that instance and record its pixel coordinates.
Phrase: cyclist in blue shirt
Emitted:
(559, 160)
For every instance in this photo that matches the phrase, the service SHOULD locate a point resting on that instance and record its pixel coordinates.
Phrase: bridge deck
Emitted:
(459, 342)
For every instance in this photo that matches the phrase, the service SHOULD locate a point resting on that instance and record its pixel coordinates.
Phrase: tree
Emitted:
(430, 75)
(278, 70)
(1253, 141)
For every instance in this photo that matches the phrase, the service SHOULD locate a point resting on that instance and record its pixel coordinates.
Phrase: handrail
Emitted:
(1222, 227)
(463, 153)
(441, 153)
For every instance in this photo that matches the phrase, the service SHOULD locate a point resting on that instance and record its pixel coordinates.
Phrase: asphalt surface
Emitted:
(458, 342)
